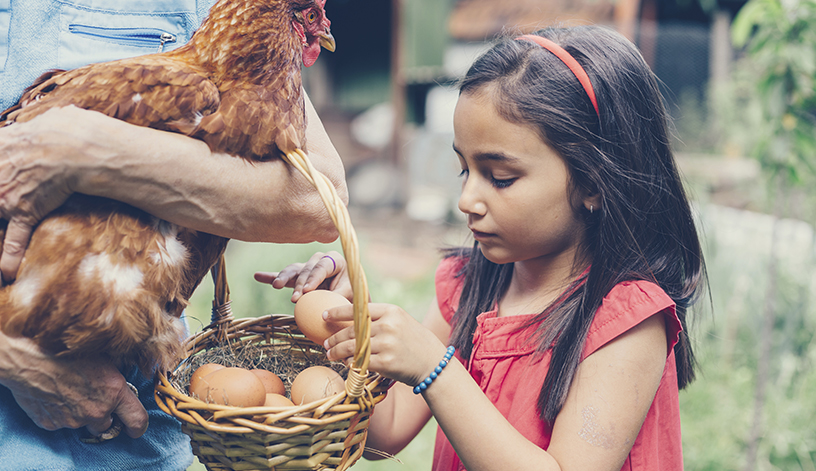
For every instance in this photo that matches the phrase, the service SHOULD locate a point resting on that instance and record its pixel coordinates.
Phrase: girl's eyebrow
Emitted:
(490, 156)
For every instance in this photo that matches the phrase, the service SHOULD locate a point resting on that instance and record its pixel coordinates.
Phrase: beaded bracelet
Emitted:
(427, 382)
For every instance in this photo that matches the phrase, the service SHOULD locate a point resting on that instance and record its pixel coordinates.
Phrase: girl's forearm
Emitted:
(395, 422)
(482, 437)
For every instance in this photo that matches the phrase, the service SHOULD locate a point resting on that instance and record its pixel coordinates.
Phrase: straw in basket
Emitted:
(327, 434)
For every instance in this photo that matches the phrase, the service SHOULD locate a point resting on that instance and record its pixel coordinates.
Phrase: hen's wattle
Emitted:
(103, 278)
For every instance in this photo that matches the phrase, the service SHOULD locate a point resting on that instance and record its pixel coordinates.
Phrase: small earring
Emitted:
(591, 208)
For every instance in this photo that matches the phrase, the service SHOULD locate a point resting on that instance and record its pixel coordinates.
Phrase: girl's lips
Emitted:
(480, 235)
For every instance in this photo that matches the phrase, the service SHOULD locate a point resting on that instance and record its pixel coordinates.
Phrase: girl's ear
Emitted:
(592, 201)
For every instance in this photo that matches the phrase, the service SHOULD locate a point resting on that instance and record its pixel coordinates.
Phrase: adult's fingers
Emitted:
(97, 427)
(132, 414)
(18, 234)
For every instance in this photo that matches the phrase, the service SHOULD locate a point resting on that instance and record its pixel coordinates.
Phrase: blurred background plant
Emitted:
(764, 411)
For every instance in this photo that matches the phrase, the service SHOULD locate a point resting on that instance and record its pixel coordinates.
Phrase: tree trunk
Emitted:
(766, 335)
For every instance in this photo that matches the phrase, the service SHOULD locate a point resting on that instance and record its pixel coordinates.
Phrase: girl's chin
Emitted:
(494, 255)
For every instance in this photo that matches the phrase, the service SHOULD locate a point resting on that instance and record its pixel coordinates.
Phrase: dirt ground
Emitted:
(401, 248)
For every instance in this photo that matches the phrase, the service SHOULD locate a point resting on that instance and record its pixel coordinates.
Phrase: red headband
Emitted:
(570, 61)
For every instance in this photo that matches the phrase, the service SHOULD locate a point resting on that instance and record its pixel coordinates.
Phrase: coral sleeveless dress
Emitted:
(503, 363)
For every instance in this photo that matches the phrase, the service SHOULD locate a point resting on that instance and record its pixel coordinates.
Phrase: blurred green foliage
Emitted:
(717, 408)
(773, 93)
(766, 111)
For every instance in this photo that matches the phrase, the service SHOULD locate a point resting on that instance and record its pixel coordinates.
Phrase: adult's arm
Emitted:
(171, 176)
(68, 394)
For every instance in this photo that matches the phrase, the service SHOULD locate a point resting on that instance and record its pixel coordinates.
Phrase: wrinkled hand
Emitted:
(33, 177)
(401, 348)
(322, 271)
(69, 394)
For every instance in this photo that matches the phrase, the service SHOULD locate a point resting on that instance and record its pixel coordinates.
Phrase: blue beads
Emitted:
(435, 373)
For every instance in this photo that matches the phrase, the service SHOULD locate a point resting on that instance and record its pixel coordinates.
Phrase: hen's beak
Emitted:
(327, 41)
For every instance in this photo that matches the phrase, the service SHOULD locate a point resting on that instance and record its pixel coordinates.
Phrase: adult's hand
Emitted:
(58, 394)
(33, 182)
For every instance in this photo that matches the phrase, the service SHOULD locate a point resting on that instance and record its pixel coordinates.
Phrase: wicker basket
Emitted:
(327, 434)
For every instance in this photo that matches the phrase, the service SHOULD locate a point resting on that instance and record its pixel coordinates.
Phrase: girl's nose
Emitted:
(469, 200)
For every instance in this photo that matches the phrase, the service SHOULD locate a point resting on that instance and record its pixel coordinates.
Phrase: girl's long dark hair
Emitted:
(643, 229)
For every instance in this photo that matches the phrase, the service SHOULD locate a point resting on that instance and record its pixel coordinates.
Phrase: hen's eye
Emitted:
(311, 16)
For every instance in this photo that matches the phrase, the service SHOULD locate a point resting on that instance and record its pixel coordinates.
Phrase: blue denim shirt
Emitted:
(35, 36)
(48, 34)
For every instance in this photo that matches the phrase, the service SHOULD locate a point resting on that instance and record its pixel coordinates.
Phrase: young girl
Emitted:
(568, 313)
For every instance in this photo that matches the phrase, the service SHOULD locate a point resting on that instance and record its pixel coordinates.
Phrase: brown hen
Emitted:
(101, 278)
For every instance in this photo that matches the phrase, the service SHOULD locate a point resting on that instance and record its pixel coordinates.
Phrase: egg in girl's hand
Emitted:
(316, 382)
(272, 383)
(200, 373)
(231, 387)
(309, 314)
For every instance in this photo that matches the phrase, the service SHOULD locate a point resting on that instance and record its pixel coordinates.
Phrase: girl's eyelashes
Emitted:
(496, 182)
(502, 183)
(488, 174)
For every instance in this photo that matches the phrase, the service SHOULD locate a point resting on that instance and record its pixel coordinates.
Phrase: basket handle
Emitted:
(358, 370)
(221, 305)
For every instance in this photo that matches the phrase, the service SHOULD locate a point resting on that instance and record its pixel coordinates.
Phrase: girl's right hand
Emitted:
(321, 271)
(401, 348)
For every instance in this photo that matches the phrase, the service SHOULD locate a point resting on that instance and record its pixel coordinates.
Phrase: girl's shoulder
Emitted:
(448, 282)
(628, 304)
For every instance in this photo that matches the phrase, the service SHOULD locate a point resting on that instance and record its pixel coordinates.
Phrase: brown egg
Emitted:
(309, 314)
(316, 382)
(277, 400)
(232, 387)
(272, 383)
(201, 372)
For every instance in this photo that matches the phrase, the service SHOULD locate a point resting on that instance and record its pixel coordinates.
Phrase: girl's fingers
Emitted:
(266, 277)
(342, 351)
(377, 310)
(343, 335)
(337, 261)
(281, 279)
(321, 271)
(310, 276)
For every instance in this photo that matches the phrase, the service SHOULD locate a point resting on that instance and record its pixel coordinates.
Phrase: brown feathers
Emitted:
(101, 278)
